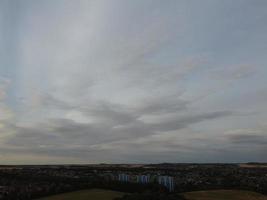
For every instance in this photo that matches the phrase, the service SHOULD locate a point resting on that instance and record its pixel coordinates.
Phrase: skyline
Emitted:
(133, 81)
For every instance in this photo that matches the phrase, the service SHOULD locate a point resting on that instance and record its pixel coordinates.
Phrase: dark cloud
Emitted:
(162, 105)
(57, 134)
(185, 121)
(109, 113)
(248, 139)
(48, 100)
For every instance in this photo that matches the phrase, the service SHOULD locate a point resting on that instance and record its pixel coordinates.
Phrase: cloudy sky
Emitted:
(123, 81)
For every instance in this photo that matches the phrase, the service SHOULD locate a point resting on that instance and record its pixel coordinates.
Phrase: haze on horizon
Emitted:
(141, 81)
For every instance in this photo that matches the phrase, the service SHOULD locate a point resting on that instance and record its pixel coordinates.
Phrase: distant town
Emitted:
(35, 181)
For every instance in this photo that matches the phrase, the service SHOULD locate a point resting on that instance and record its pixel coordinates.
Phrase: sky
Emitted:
(143, 81)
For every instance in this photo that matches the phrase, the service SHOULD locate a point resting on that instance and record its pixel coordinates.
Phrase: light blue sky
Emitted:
(133, 81)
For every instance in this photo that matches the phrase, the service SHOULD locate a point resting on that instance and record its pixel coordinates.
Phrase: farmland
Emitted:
(224, 194)
(86, 194)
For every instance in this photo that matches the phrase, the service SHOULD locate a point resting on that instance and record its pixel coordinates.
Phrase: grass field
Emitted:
(93, 194)
(224, 195)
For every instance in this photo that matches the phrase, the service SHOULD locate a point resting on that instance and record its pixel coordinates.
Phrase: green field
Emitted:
(93, 194)
(224, 195)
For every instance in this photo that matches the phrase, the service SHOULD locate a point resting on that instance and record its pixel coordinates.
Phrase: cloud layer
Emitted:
(132, 81)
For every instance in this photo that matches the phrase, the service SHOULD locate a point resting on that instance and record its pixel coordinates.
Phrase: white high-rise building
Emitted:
(143, 179)
(124, 177)
(167, 181)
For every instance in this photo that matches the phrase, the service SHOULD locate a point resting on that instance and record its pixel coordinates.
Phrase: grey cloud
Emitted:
(31, 136)
(248, 139)
(155, 105)
(112, 73)
(110, 113)
(48, 100)
(188, 120)
(153, 76)
(62, 132)
(116, 114)
(67, 138)
(4, 84)
(80, 152)
(162, 105)
(234, 72)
